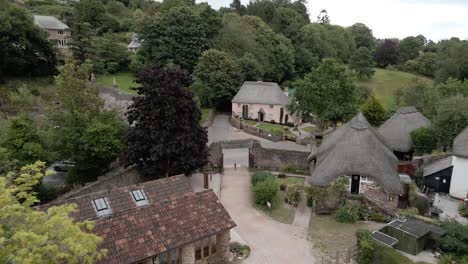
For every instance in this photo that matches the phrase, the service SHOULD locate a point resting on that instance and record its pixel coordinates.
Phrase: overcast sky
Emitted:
(435, 19)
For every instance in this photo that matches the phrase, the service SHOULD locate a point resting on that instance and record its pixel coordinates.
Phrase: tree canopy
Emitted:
(165, 137)
(362, 63)
(374, 111)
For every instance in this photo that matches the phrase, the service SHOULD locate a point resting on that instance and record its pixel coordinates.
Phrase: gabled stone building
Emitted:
(161, 221)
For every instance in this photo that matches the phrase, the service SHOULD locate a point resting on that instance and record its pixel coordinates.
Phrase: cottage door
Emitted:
(245, 111)
(355, 182)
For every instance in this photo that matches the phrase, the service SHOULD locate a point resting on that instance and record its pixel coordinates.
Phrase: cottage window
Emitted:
(100, 204)
(62, 43)
(60, 32)
(205, 248)
(138, 195)
(366, 179)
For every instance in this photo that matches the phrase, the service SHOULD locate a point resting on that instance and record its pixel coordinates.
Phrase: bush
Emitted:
(463, 210)
(310, 200)
(264, 191)
(455, 240)
(378, 217)
(273, 122)
(293, 194)
(261, 176)
(283, 187)
(351, 213)
(424, 140)
(291, 168)
(422, 204)
(365, 245)
(112, 67)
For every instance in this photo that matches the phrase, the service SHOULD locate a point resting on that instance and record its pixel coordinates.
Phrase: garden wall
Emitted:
(255, 131)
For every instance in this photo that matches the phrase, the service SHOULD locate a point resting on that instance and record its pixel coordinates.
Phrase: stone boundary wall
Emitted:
(255, 131)
(259, 157)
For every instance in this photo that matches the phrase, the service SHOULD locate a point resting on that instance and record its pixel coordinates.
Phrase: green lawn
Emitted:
(291, 180)
(385, 82)
(280, 211)
(250, 122)
(124, 80)
(272, 128)
(387, 255)
(309, 129)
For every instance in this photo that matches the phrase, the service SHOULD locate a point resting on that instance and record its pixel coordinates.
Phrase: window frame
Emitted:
(100, 201)
(140, 193)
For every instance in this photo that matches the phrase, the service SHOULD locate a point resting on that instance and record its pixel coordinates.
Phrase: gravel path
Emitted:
(271, 242)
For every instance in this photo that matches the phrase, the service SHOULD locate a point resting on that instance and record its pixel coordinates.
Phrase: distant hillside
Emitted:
(385, 82)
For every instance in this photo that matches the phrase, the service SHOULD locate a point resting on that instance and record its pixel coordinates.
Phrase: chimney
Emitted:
(286, 91)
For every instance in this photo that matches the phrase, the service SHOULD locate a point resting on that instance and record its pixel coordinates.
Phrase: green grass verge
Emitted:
(125, 80)
(272, 128)
(291, 180)
(204, 115)
(385, 82)
(387, 255)
(280, 211)
(250, 122)
(309, 129)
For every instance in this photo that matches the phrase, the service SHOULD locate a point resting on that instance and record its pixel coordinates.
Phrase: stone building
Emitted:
(58, 33)
(161, 221)
(264, 102)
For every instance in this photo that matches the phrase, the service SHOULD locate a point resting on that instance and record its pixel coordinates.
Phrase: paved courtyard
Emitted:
(271, 242)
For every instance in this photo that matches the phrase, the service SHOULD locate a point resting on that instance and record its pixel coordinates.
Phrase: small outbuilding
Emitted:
(438, 175)
(396, 131)
(410, 235)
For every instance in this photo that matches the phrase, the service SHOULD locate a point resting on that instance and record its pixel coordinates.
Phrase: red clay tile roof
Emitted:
(141, 233)
(120, 199)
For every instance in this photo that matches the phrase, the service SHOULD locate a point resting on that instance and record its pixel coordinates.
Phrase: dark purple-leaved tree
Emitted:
(165, 137)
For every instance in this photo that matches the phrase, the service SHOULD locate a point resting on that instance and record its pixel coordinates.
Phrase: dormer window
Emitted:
(100, 204)
(60, 32)
(139, 197)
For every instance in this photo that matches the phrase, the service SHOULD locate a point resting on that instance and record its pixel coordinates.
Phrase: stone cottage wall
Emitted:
(188, 254)
(223, 240)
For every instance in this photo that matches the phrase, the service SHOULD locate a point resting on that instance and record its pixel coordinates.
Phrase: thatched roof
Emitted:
(356, 148)
(397, 130)
(261, 93)
(460, 144)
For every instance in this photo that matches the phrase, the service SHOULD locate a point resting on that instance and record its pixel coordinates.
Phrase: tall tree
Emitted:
(177, 36)
(421, 94)
(217, 79)
(362, 63)
(374, 111)
(410, 47)
(90, 11)
(451, 119)
(363, 36)
(250, 67)
(32, 236)
(328, 91)
(81, 45)
(387, 53)
(165, 137)
(24, 49)
(237, 6)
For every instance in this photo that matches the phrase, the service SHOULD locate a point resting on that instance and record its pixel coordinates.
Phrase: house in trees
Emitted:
(160, 221)
(134, 44)
(356, 150)
(450, 174)
(396, 131)
(58, 33)
(264, 102)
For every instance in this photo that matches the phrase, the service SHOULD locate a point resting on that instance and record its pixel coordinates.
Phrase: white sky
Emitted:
(435, 19)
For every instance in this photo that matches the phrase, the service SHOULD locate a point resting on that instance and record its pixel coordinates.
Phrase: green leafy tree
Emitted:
(81, 130)
(237, 6)
(81, 45)
(328, 91)
(453, 87)
(424, 140)
(23, 141)
(374, 111)
(90, 11)
(421, 94)
(452, 56)
(165, 137)
(362, 63)
(410, 47)
(425, 64)
(288, 22)
(32, 236)
(177, 36)
(455, 240)
(264, 191)
(217, 79)
(451, 119)
(362, 36)
(250, 67)
(111, 56)
(25, 51)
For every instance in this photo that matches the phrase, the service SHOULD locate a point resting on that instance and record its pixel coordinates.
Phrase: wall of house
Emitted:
(53, 36)
(272, 112)
(459, 183)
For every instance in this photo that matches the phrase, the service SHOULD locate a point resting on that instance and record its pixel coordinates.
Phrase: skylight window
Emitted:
(138, 195)
(100, 204)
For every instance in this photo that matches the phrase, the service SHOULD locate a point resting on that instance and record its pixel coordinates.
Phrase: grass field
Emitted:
(124, 80)
(250, 122)
(291, 180)
(272, 128)
(385, 82)
(280, 211)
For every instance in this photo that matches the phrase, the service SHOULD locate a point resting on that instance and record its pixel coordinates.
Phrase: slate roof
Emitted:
(261, 93)
(460, 144)
(437, 166)
(140, 233)
(415, 227)
(397, 130)
(49, 22)
(356, 148)
(120, 199)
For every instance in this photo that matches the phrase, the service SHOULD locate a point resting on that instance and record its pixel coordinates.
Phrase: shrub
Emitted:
(365, 245)
(346, 214)
(291, 168)
(422, 204)
(273, 122)
(424, 140)
(310, 200)
(455, 240)
(264, 191)
(378, 217)
(293, 194)
(283, 187)
(463, 210)
(261, 176)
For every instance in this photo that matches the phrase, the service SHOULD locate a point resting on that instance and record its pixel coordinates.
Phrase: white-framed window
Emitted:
(366, 179)
(100, 204)
(62, 43)
(60, 32)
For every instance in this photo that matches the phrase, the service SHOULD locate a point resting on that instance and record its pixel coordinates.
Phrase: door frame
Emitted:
(352, 179)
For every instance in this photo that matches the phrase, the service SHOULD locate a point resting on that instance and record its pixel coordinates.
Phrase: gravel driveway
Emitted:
(271, 242)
